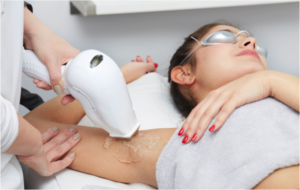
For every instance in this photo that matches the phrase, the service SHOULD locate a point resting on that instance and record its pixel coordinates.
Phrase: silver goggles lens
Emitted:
(226, 37)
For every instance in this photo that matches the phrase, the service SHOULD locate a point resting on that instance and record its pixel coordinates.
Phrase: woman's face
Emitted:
(217, 65)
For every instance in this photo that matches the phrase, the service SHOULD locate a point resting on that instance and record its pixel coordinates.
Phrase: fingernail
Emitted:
(55, 128)
(212, 128)
(72, 154)
(155, 65)
(194, 137)
(76, 136)
(132, 60)
(57, 89)
(180, 132)
(72, 128)
(185, 139)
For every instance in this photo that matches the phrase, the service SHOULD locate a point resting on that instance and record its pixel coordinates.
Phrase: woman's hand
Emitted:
(249, 88)
(134, 70)
(47, 162)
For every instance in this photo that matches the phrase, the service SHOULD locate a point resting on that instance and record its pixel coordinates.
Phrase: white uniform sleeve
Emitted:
(9, 124)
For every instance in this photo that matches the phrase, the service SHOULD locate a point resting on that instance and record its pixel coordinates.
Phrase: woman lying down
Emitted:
(219, 78)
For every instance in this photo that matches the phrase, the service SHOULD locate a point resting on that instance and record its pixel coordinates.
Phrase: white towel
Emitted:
(255, 140)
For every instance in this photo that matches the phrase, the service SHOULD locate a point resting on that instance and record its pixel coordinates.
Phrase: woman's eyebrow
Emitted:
(230, 31)
(235, 32)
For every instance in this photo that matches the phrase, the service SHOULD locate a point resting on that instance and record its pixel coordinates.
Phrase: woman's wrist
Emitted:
(285, 88)
(276, 80)
(268, 81)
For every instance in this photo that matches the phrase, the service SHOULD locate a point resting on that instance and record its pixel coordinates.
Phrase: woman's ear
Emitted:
(183, 75)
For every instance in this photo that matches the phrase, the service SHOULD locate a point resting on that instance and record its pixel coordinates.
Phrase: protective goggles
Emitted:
(225, 37)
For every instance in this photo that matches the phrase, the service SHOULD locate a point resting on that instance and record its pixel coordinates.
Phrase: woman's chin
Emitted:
(253, 66)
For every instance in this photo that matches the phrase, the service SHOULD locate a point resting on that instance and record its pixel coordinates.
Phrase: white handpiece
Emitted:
(96, 81)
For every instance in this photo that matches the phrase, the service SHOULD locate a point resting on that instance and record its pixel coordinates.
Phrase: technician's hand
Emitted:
(249, 88)
(51, 49)
(136, 69)
(47, 162)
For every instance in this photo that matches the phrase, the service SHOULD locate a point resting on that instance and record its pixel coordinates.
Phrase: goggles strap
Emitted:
(199, 43)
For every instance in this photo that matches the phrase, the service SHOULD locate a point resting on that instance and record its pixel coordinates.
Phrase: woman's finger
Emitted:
(201, 117)
(60, 138)
(189, 119)
(61, 164)
(193, 122)
(207, 117)
(225, 112)
(49, 134)
(191, 116)
(209, 114)
(190, 130)
(151, 67)
(139, 59)
(198, 134)
(61, 149)
(149, 59)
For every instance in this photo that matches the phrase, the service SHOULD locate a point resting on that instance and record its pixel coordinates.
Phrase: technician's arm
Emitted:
(32, 148)
(285, 88)
(50, 48)
(17, 135)
(28, 142)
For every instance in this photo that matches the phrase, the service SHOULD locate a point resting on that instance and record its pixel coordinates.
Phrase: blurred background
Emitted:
(159, 34)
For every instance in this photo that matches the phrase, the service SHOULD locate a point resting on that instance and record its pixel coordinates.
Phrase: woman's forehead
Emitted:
(220, 27)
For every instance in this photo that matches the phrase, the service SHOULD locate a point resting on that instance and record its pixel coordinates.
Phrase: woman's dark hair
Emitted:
(183, 104)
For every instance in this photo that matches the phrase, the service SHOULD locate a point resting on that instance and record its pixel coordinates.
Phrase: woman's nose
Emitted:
(249, 42)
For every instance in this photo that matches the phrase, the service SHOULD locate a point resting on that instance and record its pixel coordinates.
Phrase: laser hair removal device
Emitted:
(96, 81)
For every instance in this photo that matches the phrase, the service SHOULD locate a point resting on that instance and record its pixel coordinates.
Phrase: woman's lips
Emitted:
(249, 52)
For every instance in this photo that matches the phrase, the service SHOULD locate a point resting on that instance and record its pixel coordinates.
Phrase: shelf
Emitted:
(105, 7)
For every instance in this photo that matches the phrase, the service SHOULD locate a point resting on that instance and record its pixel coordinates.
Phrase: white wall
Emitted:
(159, 34)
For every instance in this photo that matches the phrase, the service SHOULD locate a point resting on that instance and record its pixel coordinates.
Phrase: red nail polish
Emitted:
(181, 131)
(155, 65)
(212, 128)
(132, 60)
(185, 139)
(194, 137)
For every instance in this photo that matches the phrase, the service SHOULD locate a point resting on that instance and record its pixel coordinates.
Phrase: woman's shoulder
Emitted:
(268, 107)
